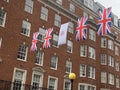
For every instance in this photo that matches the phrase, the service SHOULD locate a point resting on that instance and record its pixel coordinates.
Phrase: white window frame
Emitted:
(23, 77)
(83, 50)
(103, 59)
(41, 34)
(56, 82)
(54, 58)
(72, 7)
(110, 44)
(29, 6)
(82, 70)
(44, 13)
(91, 53)
(86, 86)
(91, 72)
(26, 26)
(103, 77)
(6, 1)
(103, 42)
(59, 2)
(68, 83)
(117, 66)
(116, 50)
(69, 46)
(85, 14)
(110, 61)
(41, 77)
(68, 66)
(117, 83)
(115, 21)
(21, 52)
(0, 42)
(89, 3)
(2, 24)
(111, 79)
(55, 41)
(39, 57)
(71, 27)
(57, 21)
(92, 34)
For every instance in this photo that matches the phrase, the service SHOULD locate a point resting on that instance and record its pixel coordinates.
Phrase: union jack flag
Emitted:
(47, 38)
(81, 29)
(34, 41)
(104, 21)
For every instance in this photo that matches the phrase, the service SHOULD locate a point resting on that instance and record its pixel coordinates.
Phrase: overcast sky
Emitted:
(115, 4)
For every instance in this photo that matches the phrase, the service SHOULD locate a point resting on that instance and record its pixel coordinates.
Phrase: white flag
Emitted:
(63, 34)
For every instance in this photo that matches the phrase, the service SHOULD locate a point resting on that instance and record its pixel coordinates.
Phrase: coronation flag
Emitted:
(104, 22)
(81, 29)
(34, 41)
(63, 34)
(47, 38)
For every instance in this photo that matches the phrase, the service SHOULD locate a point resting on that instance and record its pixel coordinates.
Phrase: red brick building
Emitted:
(95, 61)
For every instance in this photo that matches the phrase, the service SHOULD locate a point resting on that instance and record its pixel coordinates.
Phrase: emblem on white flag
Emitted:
(63, 34)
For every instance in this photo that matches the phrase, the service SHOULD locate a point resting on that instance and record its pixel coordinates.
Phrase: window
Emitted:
(44, 13)
(2, 17)
(91, 53)
(115, 21)
(39, 57)
(117, 83)
(6, 0)
(57, 21)
(110, 44)
(70, 27)
(29, 6)
(72, 7)
(0, 42)
(69, 46)
(19, 78)
(85, 14)
(110, 61)
(26, 28)
(116, 50)
(82, 87)
(91, 72)
(55, 40)
(111, 79)
(92, 35)
(83, 50)
(85, 86)
(59, 2)
(103, 77)
(52, 83)
(82, 70)
(103, 59)
(22, 52)
(89, 3)
(103, 42)
(54, 61)
(117, 66)
(41, 34)
(68, 66)
(67, 84)
(36, 80)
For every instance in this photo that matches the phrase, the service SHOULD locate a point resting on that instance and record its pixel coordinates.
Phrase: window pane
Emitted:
(39, 57)
(22, 52)
(2, 17)
(26, 28)
(29, 6)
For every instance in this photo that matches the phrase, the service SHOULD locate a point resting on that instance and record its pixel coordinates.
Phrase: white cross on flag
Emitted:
(63, 34)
